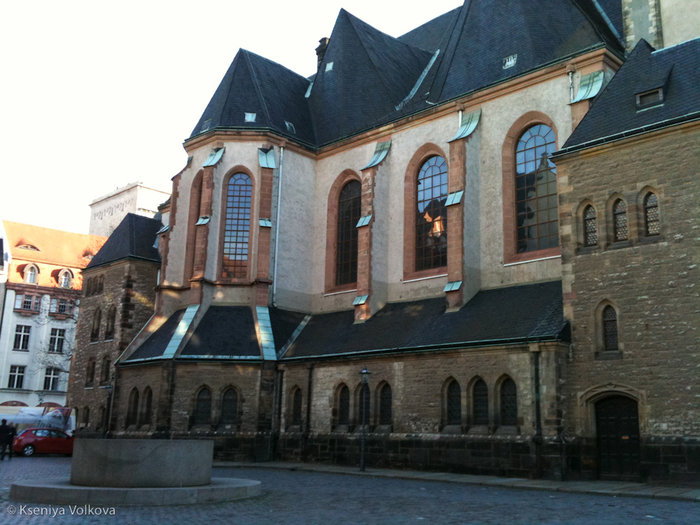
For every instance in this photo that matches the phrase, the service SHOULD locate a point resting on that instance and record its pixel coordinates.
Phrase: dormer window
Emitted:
(65, 279)
(648, 99)
(30, 274)
(250, 117)
(290, 126)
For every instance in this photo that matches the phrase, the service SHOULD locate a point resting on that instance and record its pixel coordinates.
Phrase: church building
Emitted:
(472, 248)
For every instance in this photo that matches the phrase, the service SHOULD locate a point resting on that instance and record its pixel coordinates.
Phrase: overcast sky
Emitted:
(95, 94)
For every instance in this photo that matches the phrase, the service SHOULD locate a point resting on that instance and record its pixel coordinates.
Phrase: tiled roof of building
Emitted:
(133, 238)
(38, 244)
(51, 250)
(616, 114)
(367, 78)
(501, 316)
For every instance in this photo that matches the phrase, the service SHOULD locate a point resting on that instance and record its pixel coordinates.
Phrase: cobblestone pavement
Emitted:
(326, 498)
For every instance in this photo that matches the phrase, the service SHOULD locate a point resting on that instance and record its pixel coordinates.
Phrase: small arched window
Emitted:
(105, 371)
(229, 407)
(509, 403)
(454, 404)
(620, 228)
(349, 205)
(590, 227)
(111, 320)
(385, 405)
(86, 416)
(343, 405)
(431, 214)
(65, 279)
(652, 223)
(146, 407)
(610, 329)
(132, 408)
(239, 195)
(536, 190)
(90, 372)
(480, 403)
(95, 328)
(30, 274)
(202, 407)
(296, 407)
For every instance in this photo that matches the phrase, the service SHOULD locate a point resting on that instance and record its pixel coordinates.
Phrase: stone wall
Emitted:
(650, 280)
(129, 286)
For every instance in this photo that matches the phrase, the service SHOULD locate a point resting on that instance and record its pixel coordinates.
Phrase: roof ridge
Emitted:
(256, 83)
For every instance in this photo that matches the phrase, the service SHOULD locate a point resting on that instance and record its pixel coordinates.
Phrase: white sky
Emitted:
(96, 94)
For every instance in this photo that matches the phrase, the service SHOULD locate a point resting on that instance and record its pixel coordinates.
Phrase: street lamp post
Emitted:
(364, 408)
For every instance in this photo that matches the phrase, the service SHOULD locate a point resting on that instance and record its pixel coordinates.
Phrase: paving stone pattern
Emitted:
(297, 497)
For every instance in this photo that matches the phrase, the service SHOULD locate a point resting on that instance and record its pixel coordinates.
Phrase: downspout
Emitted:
(307, 427)
(538, 417)
(277, 226)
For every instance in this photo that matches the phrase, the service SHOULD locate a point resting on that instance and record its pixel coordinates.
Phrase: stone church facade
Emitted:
(413, 211)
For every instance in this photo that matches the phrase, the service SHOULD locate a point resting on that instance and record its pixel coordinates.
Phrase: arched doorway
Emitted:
(617, 429)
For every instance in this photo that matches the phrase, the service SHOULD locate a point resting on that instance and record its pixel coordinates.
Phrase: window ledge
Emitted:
(608, 355)
(534, 256)
(20, 350)
(587, 250)
(452, 429)
(338, 290)
(423, 275)
(618, 245)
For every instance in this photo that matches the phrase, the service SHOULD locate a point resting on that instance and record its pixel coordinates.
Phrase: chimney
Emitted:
(321, 50)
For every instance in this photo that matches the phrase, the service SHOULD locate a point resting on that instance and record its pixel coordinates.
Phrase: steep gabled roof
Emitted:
(532, 33)
(364, 75)
(133, 238)
(254, 84)
(368, 79)
(615, 114)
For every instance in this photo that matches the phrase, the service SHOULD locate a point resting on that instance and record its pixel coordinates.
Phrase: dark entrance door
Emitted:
(617, 425)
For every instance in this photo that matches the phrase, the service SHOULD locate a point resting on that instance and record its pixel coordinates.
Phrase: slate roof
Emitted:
(133, 238)
(501, 316)
(614, 113)
(376, 79)
(224, 332)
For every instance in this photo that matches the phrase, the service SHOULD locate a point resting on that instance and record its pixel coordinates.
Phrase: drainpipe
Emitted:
(277, 226)
(307, 427)
(538, 416)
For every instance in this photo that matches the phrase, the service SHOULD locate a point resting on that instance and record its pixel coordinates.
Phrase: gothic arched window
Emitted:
(349, 204)
(236, 243)
(431, 214)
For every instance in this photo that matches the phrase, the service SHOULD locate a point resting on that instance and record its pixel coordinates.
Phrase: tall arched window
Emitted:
(195, 205)
(202, 407)
(96, 321)
(620, 229)
(349, 205)
(454, 404)
(509, 403)
(610, 329)
(105, 370)
(343, 405)
(652, 223)
(536, 190)
(296, 407)
(363, 405)
(480, 403)
(385, 405)
(132, 408)
(590, 227)
(229, 407)
(111, 319)
(146, 407)
(235, 252)
(431, 214)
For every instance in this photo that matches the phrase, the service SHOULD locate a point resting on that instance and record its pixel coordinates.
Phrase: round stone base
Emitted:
(61, 492)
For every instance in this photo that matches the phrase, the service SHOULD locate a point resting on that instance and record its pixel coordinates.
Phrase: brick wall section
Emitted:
(129, 286)
(364, 245)
(201, 236)
(455, 223)
(652, 282)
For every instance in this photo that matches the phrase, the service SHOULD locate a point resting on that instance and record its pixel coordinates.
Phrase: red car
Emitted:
(32, 441)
